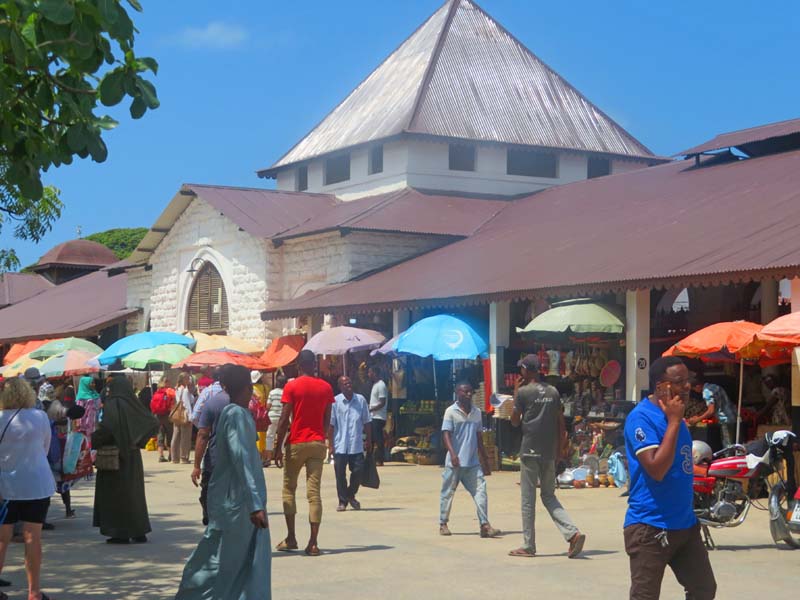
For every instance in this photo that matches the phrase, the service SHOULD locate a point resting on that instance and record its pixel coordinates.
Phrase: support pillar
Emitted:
(401, 319)
(637, 343)
(315, 325)
(769, 300)
(499, 334)
(794, 290)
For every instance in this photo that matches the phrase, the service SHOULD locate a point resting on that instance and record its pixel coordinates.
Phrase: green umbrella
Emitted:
(578, 316)
(165, 354)
(60, 346)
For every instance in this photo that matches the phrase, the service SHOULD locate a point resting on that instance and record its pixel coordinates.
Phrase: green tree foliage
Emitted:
(60, 58)
(121, 241)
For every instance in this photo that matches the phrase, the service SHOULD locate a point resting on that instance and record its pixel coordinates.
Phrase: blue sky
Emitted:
(240, 82)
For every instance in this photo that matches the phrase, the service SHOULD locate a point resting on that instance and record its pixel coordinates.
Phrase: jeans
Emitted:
(685, 554)
(340, 464)
(472, 479)
(310, 455)
(543, 471)
(377, 438)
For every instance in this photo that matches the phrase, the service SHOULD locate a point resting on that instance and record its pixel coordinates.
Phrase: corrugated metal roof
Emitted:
(669, 223)
(382, 105)
(486, 85)
(405, 211)
(743, 137)
(462, 75)
(259, 212)
(80, 307)
(15, 287)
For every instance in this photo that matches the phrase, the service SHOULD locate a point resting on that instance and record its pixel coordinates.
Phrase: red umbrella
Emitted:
(215, 358)
(283, 350)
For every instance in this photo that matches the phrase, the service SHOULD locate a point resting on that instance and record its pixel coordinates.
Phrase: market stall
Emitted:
(579, 346)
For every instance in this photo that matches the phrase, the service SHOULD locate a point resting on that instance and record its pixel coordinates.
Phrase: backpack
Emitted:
(161, 404)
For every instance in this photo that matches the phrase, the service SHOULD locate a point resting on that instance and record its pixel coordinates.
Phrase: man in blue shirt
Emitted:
(466, 460)
(206, 412)
(350, 421)
(660, 526)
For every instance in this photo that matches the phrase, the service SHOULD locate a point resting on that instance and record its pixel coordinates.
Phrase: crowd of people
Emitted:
(243, 427)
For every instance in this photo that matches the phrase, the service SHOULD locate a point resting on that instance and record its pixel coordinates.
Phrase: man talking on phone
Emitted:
(660, 526)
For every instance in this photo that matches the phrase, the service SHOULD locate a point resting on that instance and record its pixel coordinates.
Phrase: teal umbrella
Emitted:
(165, 354)
(60, 346)
(578, 316)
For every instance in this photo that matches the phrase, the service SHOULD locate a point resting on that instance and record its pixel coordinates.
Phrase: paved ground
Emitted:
(391, 549)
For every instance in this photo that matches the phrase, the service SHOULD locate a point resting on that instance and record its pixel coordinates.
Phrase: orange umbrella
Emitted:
(283, 350)
(783, 331)
(21, 349)
(215, 358)
(726, 341)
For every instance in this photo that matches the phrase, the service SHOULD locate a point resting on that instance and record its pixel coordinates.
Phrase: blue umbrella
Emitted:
(142, 341)
(444, 337)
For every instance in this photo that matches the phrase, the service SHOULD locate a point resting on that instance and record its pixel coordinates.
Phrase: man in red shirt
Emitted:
(307, 403)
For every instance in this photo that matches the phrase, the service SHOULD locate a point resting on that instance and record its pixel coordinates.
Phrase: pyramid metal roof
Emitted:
(462, 75)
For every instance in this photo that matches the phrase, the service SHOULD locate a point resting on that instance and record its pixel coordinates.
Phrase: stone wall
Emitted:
(203, 233)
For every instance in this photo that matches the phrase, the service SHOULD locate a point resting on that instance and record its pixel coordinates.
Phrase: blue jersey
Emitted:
(666, 504)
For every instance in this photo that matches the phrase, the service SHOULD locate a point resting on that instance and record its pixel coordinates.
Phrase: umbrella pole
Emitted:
(435, 386)
(739, 410)
(344, 364)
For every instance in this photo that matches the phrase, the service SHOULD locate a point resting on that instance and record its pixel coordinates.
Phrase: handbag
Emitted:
(177, 415)
(107, 458)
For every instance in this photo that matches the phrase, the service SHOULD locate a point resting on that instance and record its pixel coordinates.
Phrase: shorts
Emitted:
(27, 511)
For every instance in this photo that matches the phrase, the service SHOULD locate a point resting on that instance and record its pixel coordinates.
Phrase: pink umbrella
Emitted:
(71, 362)
(340, 340)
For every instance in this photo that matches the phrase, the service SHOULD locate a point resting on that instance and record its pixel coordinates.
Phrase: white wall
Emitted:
(423, 164)
(241, 259)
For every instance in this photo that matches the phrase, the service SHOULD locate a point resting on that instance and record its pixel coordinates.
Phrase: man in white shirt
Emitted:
(350, 422)
(378, 405)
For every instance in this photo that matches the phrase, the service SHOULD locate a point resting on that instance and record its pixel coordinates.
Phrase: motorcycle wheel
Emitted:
(778, 508)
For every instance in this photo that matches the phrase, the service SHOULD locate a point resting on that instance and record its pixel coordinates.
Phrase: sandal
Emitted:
(524, 552)
(4, 583)
(284, 546)
(312, 551)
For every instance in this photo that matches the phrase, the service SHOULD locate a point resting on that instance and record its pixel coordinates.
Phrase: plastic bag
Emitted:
(72, 451)
(370, 477)
(152, 445)
(83, 467)
(616, 468)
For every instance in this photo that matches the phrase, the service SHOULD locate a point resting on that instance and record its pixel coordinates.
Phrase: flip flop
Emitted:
(285, 547)
(4, 583)
(312, 551)
(522, 552)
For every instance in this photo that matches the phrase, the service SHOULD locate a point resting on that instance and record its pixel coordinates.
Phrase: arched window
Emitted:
(208, 303)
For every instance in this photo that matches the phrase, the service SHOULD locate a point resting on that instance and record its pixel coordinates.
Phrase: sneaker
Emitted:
(162, 459)
(576, 545)
(487, 531)
(341, 508)
(444, 530)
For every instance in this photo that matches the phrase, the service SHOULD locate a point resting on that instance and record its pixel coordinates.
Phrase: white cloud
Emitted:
(216, 34)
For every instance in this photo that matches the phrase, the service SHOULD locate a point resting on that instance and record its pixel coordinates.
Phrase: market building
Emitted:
(425, 151)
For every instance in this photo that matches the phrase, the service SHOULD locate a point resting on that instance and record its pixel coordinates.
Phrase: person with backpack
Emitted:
(161, 405)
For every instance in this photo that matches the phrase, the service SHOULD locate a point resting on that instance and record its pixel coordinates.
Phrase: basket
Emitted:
(427, 459)
(410, 457)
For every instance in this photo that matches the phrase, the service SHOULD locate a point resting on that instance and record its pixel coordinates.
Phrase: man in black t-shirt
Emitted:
(537, 408)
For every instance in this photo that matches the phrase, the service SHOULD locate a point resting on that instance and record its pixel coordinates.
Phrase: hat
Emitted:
(530, 362)
(255, 376)
(32, 375)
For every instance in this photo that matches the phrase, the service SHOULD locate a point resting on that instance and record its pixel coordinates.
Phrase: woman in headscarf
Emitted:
(120, 507)
(89, 399)
(233, 559)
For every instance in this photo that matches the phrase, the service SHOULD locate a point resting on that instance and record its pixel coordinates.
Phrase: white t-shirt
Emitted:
(24, 471)
(379, 392)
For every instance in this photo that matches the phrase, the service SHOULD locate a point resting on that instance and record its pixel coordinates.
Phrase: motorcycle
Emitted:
(721, 498)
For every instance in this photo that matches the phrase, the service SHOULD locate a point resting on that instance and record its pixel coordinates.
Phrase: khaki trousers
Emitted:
(310, 455)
